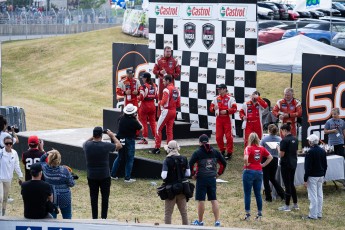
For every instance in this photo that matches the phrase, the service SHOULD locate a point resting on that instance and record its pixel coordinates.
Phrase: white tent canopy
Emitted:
(285, 56)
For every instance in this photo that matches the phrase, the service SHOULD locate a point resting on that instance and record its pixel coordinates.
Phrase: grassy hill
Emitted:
(65, 82)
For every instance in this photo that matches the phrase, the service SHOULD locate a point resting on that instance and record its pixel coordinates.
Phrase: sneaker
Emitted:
(319, 217)
(228, 156)
(198, 223)
(285, 208)
(114, 178)
(258, 217)
(9, 200)
(295, 207)
(246, 217)
(217, 223)
(130, 180)
(155, 151)
(308, 218)
(143, 141)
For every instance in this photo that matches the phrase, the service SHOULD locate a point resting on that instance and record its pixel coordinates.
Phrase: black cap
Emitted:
(36, 168)
(203, 138)
(129, 71)
(146, 75)
(221, 86)
(97, 131)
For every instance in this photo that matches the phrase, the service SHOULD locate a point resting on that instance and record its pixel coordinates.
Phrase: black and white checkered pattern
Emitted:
(201, 72)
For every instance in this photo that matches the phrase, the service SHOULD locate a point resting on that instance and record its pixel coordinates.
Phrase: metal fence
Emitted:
(58, 22)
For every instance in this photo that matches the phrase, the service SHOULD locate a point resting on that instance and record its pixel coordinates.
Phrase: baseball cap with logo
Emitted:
(129, 71)
(203, 139)
(33, 140)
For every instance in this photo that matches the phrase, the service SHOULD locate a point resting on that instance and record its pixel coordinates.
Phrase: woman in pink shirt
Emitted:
(252, 173)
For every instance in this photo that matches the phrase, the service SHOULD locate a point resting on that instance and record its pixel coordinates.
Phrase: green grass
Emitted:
(139, 200)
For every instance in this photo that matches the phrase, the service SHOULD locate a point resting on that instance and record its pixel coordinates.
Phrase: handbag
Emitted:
(162, 192)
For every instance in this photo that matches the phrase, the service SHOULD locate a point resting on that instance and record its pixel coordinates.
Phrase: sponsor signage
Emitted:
(238, 12)
(200, 35)
(323, 83)
(161, 10)
(200, 11)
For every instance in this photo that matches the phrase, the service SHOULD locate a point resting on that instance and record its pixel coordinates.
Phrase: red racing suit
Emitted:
(293, 109)
(170, 101)
(253, 112)
(131, 84)
(147, 109)
(223, 122)
(171, 66)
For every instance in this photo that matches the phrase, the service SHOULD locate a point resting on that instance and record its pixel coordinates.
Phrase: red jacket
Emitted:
(171, 98)
(253, 111)
(148, 92)
(225, 102)
(125, 84)
(170, 65)
(294, 109)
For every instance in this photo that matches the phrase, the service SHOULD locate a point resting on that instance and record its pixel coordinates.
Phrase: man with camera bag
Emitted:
(129, 125)
(97, 164)
(175, 170)
(205, 174)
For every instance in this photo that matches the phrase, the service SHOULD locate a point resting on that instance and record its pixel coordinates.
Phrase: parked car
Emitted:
(264, 13)
(283, 10)
(327, 12)
(270, 23)
(340, 7)
(293, 16)
(270, 6)
(275, 33)
(320, 32)
(302, 14)
(339, 40)
(316, 14)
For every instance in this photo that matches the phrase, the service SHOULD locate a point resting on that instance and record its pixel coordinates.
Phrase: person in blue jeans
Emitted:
(252, 173)
(129, 124)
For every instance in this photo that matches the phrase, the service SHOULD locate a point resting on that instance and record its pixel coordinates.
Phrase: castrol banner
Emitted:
(323, 84)
(200, 35)
(237, 12)
(164, 10)
(199, 11)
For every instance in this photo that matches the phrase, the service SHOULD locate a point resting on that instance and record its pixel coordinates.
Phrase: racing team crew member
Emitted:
(224, 106)
(166, 65)
(288, 110)
(129, 88)
(251, 114)
(170, 101)
(147, 109)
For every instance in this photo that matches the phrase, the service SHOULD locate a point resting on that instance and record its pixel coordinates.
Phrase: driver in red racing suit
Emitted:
(166, 65)
(170, 101)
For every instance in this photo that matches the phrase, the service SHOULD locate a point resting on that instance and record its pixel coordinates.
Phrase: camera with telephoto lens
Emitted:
(9, 128)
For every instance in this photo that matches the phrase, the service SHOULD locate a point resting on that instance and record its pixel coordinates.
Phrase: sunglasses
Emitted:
(9, 143)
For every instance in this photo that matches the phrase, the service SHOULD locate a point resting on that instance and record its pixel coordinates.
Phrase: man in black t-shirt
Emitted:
(97, 164)
(33, 155)
(36, 193)
(128, 127)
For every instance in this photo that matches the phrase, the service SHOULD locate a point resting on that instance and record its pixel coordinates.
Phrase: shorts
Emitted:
(206, 185)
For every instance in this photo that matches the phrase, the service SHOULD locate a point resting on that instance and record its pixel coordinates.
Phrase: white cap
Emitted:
(313, 138)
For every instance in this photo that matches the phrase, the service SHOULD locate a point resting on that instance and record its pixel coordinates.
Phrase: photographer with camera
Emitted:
(97, 165)
(61, 179)
(129, 125)
(7, 131)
